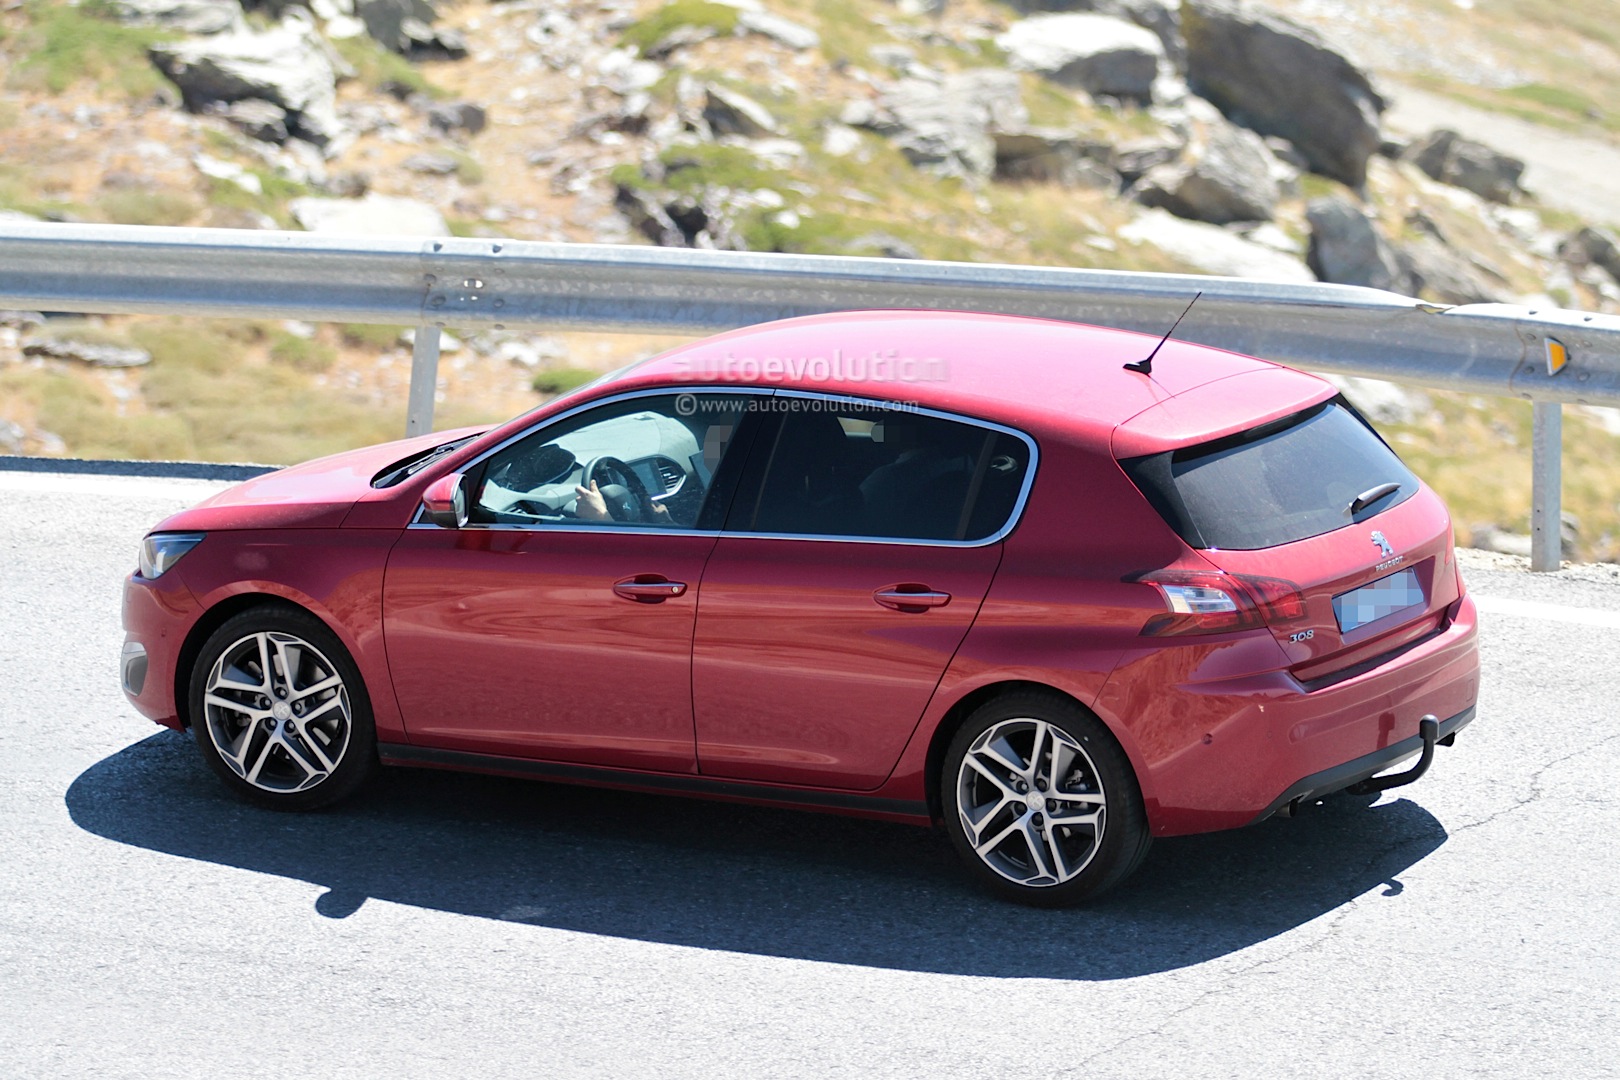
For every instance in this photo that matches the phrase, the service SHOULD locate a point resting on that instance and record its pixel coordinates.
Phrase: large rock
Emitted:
(1135, 157)
(730, 113)
(1271, 74)
(1592, 247)
(948, 126)
(288, 66)
(1163, 17)
(256, 118)
(1054, 156)
(701, 219)
(450, 117)
(1432, 267)
(1096, 53)
(1212, 249)
(1452, 159)
(94, 353)
(780, 30)
(1224, 175)
(374, 215)
(188, 16)
(1347, 249)
(406, 27)
(1383, 402)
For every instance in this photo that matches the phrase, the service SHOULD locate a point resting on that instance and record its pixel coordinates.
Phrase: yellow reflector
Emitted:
(1557, 356)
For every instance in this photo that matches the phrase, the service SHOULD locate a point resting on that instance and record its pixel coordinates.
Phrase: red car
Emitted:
(922, 566)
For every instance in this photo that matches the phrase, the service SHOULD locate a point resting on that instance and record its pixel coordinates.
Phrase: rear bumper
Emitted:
(1220, 746)
(1340, 777)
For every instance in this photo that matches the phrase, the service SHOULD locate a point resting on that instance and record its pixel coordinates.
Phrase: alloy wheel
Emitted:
(1030, 802)
(277, 712)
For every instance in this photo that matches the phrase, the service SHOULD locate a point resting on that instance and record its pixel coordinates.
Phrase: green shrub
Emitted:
(678, 13)
(198, 348)
(693, 167)
(1555, 97)
(370, 335)
(1314, 186)
(301, 353)
(275, 192)
(64, 44)
(137, 207)
(149, 437)
(378, 67)
(561, 380)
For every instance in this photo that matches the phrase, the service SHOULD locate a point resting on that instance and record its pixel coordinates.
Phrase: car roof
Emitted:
(1035, 374)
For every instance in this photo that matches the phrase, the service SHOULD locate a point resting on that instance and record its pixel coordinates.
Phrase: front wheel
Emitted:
(1040, 801)
(280, 711)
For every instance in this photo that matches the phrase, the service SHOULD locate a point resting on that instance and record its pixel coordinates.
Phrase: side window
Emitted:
(644, 461)
(855, 470)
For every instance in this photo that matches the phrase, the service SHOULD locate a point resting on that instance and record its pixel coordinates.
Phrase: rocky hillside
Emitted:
(1222, 136)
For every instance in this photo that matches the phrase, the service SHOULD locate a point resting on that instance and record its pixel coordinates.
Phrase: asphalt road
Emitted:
(445, 926)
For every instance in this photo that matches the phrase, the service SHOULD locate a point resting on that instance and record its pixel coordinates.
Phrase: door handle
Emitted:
(649, 588)
(911, 598)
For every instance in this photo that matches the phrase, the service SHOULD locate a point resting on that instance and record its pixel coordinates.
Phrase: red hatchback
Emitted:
(918, 565)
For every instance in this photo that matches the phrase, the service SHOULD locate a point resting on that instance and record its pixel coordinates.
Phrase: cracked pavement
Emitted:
(451, 925)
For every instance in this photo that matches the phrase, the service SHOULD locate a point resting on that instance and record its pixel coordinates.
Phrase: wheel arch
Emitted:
(958, 713)
(204, 627)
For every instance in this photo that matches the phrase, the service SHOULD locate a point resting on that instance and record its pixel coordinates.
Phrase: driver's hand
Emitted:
(589, 504)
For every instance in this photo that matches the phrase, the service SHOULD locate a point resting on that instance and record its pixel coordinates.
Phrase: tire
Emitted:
(296, 744)
(1029, 845)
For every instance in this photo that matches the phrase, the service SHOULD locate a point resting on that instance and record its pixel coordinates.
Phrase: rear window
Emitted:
(847, 470)
(1308, 474)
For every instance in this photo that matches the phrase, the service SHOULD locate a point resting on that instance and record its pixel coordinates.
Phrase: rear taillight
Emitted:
(1279, 601)
(1214, 602)
(1454, 563)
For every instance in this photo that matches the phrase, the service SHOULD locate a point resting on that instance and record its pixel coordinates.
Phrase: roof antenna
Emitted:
(1146, 366)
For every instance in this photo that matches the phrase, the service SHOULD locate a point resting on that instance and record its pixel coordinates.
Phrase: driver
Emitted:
(589, 505)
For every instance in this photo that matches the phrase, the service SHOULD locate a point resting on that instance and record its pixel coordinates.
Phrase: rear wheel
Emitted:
(1040, 801)
(280, 712)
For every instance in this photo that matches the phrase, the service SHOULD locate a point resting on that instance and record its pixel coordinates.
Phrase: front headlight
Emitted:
(162, 550)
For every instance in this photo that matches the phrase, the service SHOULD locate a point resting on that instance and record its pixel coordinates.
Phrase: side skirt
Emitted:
(909, 811)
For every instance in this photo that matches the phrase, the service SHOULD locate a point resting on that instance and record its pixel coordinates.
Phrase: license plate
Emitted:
(1378, 600)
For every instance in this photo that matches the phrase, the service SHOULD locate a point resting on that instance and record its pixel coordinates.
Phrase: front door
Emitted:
(558, 624)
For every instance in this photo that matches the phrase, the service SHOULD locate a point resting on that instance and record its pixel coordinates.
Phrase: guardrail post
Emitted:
(424, 381)
(1546, 485)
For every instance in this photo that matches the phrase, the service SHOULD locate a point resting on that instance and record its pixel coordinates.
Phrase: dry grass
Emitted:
(1566, 51)
(1476, 453)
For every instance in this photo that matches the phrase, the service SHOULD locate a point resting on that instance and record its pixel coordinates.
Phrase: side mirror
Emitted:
(444, 503)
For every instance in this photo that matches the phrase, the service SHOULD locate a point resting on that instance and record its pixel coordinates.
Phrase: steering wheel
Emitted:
(627, 501)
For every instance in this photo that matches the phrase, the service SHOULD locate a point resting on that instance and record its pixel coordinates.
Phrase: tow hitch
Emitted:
(1429, 732)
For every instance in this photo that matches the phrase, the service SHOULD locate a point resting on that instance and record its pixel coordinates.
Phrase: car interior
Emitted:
(857, 471)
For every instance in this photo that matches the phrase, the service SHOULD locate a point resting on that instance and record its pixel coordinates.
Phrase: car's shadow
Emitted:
(746, 879)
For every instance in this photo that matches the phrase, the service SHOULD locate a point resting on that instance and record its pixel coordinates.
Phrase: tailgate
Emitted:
(1370, 589)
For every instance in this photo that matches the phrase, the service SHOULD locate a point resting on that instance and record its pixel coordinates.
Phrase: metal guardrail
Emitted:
(1492, 349)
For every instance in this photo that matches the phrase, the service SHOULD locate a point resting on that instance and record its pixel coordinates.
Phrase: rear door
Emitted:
(856, 558)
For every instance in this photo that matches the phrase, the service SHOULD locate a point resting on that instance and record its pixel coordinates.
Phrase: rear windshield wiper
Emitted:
(1372, 495)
